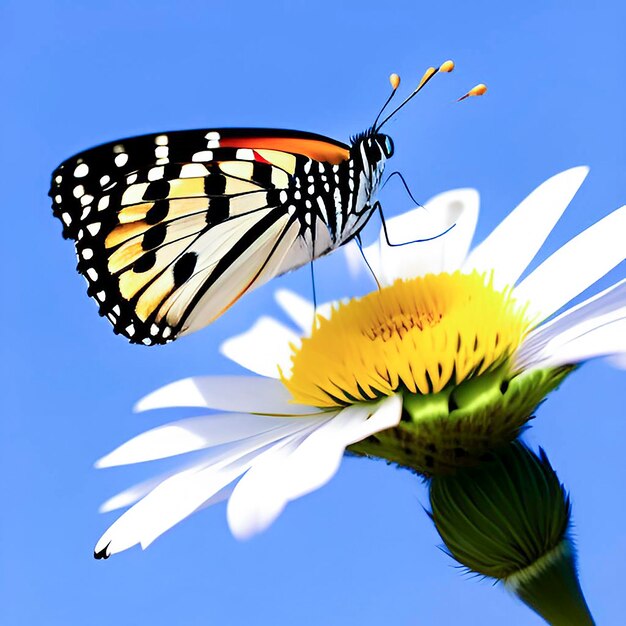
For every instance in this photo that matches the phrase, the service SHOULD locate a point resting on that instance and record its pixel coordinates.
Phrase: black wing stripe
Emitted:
(247, 240)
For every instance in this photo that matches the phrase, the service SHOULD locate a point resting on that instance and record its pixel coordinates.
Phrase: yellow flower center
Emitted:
(417, 335)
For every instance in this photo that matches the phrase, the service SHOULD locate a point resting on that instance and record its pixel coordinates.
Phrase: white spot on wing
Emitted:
(193, 170)
(338, 211)
(245, 154)
(121, 159)
(161, 152)
(91, 272)
(156, 173)
(203, 155)
(161, 140)
(94, 228)
(81, 170)
(322, 206)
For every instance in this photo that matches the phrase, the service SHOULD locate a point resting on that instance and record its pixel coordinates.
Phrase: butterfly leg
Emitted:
(313, 288)
(404, 184)
(359, 243)
(378, 207)
(313, 278)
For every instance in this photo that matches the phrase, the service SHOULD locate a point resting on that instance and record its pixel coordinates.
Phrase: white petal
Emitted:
(606, 340)
(309, 461)
(354, 259)
(131, 495)
(246, 394)
(180, 495)
(618, 360)
(604, 307)
(458, 208)
(263, 349)
(387, 415)
(301, 467)
(516, 240)
(574, 267)
(317, 460)
(136, 492)
(259, 497)
(169, 503)
(299, 309)
(193, 434)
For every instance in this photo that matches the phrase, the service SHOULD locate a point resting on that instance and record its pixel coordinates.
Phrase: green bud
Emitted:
(509, 518)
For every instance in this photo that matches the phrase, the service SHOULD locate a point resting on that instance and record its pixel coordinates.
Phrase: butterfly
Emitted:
(172, 228)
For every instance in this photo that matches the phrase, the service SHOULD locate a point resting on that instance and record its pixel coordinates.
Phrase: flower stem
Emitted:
(550, 587)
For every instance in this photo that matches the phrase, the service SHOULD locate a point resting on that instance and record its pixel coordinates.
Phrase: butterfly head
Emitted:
(371, 150)
(384, 144)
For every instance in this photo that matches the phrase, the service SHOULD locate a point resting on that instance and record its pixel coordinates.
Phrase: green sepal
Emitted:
(461, 424)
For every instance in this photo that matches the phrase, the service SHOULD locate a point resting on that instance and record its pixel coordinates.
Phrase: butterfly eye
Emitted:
(388, 146)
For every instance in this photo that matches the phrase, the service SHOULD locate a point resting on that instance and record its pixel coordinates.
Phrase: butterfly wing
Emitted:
(171, 229)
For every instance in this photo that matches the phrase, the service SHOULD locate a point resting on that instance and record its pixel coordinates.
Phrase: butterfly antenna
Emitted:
(447, 66)
(394, 79)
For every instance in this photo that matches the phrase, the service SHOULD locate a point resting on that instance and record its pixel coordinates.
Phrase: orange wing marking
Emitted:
(312, 148)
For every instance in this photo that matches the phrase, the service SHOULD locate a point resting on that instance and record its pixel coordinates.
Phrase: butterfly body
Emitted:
(172, 228)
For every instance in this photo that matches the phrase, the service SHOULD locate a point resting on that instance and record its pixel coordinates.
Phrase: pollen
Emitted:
(418, 336)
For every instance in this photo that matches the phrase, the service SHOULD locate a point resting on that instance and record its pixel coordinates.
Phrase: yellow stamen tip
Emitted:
(447, 66)
(394, 79)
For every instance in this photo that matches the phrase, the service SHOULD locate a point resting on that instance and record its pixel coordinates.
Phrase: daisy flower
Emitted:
(446, 361)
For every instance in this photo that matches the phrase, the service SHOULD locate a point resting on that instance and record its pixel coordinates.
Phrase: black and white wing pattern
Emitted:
(172, 228)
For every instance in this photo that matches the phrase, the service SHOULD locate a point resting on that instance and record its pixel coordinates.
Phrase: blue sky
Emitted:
(360, 550)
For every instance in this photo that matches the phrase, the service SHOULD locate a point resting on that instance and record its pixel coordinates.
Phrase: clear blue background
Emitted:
(361, 550)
